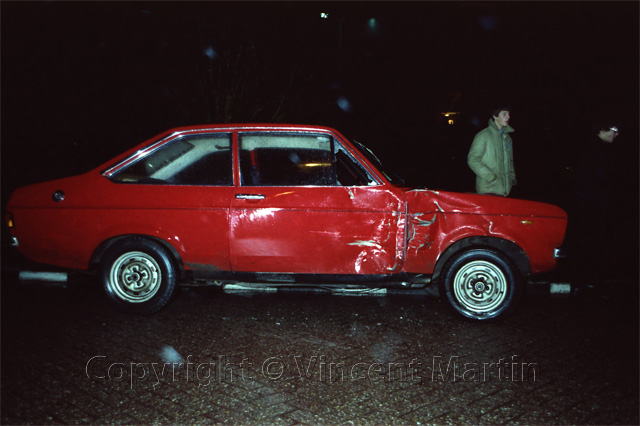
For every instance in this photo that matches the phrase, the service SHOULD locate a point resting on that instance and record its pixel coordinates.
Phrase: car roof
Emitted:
(256, 126)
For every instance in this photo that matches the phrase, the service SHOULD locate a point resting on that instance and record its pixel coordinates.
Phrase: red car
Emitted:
(285, 205)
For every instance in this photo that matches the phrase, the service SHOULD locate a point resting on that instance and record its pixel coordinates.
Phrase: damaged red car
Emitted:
(280, 205)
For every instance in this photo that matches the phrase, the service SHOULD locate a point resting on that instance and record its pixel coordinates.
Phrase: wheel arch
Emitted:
(103, 248)
(511, 250)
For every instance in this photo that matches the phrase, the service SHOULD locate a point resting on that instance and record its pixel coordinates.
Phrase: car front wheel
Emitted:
(138, 276)
(480, 284)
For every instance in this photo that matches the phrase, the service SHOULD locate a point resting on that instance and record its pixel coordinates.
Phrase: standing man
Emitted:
(491, 156)
(595, 169)
(594, 216)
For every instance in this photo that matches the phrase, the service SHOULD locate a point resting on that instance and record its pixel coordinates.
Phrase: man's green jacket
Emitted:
(491, 159)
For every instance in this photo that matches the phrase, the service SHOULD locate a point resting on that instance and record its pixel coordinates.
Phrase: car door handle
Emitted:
(250, 197)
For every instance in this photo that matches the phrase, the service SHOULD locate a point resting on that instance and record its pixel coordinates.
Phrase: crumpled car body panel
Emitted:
(440, 219)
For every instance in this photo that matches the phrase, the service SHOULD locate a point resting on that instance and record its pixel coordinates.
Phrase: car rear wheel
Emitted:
(480, 284)
(138, 276)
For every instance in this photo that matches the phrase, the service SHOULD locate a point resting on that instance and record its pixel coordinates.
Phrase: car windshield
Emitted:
(391, 176)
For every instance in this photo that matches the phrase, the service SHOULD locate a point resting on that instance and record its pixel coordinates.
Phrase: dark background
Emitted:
(84, 81)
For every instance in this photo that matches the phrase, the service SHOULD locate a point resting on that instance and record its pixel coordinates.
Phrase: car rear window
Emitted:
(203, 159)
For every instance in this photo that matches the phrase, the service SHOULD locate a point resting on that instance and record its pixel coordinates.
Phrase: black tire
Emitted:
(480, 284)
(138, 275)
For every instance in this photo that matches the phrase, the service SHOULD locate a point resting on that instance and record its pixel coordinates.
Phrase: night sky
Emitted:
(84, 81)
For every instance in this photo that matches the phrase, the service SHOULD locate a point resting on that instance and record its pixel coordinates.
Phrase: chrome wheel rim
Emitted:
(480, 286)
(135, 277)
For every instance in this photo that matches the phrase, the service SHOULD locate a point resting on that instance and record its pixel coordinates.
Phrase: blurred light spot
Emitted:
(344, 104)
(488, 23)
(169, 355)
(295, 158)
(372, 27)
(210, 52)
(324, 15)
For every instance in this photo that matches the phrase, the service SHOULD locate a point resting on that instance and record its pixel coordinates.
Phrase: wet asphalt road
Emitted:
(211, 357)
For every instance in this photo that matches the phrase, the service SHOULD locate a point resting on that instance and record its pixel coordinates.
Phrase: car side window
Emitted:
(286, 160)
(203, 159)
(298, 160)
(349, 171)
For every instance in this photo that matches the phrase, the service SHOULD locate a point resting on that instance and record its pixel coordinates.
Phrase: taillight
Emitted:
(8, 220)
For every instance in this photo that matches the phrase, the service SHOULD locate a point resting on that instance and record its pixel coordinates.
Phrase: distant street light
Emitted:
(451, 117)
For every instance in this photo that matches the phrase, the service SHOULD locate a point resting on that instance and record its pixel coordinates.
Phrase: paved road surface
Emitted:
(211, 357)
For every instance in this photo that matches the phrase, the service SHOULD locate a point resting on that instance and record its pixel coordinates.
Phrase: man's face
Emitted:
(502, 119)
(609, 135)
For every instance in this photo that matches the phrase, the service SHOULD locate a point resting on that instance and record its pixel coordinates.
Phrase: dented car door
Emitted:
(305, 205)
